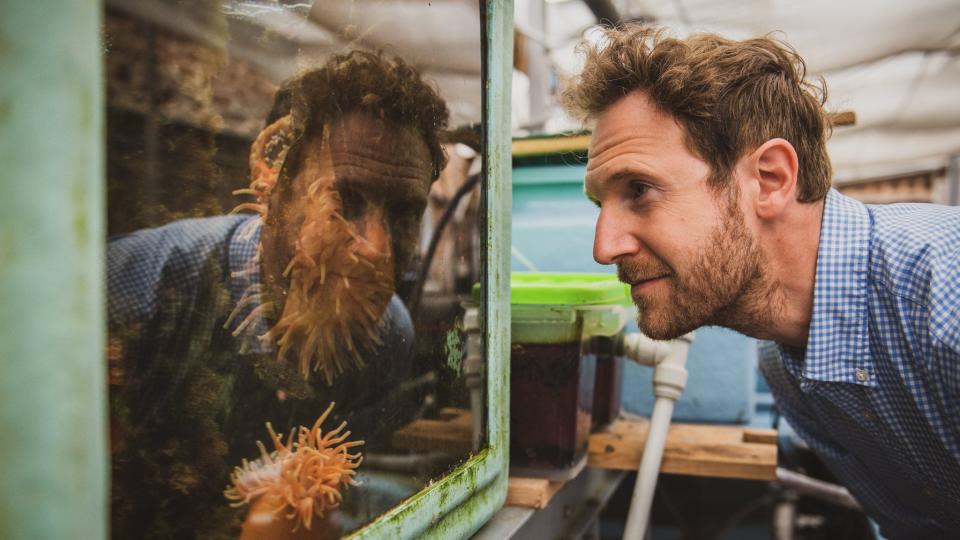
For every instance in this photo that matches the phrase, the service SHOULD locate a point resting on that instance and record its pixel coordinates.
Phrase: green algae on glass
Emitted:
(455, 349)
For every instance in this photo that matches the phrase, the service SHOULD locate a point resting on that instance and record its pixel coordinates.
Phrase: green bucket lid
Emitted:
(564, 288)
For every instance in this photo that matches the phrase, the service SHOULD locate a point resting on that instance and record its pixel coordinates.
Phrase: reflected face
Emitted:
(337, 233)
(684, 248)
(382, 173)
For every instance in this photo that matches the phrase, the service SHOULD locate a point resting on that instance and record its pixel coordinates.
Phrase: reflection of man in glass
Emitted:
(219, 324)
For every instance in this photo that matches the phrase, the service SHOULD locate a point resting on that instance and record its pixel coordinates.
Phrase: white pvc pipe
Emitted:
(669, 379)
(647, 474)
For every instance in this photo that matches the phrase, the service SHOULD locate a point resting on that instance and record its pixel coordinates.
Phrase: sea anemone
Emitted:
(339, 289)
(266, 157)
(298, 479)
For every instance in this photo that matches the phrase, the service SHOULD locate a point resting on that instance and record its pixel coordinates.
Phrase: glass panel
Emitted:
(293, 210)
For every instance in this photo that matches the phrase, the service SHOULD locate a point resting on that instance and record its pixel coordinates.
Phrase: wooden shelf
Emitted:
(692, 449)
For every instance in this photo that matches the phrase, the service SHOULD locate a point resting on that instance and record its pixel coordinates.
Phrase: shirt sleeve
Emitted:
(153, 274)
(945, 337)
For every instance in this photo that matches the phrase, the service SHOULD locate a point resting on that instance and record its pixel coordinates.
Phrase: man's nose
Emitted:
(374, 229)
(612, 239)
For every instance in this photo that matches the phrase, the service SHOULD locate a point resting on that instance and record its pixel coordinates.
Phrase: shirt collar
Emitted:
(837, 346)
(245, 289)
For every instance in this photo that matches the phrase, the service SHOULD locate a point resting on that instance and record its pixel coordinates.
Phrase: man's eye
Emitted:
(354, 204)
(638, 189)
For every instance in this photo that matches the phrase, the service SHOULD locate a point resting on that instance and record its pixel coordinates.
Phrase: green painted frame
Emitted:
(53, 412)
(459, 503)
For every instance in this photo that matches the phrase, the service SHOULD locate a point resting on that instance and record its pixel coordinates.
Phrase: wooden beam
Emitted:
(531, 492)
(842, 118)
(762, 436)
(558, 144)
(451, 433)
(550, 145)
(692, 449)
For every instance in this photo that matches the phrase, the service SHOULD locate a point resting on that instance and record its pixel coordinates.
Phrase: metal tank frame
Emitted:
(53, 413)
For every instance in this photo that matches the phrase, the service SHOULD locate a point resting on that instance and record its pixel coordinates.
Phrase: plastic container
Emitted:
(555, 317)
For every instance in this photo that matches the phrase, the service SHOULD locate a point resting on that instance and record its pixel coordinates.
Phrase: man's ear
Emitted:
(775, 167)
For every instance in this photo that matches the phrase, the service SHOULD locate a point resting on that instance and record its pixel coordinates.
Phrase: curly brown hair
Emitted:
(729, 96)
(364, 81)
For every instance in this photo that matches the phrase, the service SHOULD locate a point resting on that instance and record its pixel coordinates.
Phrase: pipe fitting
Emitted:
(667, 358)
(669, 380)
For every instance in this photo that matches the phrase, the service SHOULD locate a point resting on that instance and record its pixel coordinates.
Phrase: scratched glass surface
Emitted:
(293, 210)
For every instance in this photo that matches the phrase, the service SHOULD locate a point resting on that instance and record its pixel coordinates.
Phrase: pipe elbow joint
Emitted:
(668, 359)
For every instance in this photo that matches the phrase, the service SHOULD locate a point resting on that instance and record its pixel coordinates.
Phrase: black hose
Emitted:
(417, 293)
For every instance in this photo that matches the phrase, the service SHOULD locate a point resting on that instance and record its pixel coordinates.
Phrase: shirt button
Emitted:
(869, 416)
(862, 375)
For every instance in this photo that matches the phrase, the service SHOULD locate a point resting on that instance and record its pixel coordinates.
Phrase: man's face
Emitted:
(382, 173)
(684, 248)
(335, 236)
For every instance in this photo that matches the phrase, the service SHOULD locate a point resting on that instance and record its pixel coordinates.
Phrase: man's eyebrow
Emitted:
(408, 190)
(628, 173)
(374, 180)
(619, 175)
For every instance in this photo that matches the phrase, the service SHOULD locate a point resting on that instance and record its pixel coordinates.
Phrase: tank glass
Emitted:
(293, 209)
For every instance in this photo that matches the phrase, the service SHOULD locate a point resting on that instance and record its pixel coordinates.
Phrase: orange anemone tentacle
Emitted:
(302, 478)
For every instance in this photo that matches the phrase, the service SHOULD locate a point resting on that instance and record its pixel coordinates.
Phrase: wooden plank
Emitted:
(550, 145)
(559, 144)
(765, 436)
(694, 449)
(842, 118)
(698, 450)
(531, 492)
(452, 433)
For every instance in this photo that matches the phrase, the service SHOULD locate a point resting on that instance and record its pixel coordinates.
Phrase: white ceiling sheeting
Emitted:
(442, 35)
(895, 63)
(441, 38)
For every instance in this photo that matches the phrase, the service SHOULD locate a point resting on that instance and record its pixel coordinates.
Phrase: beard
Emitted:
(722, 284)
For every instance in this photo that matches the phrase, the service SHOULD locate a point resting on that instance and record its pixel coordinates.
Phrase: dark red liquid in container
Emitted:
(551, 396)
(609, 381)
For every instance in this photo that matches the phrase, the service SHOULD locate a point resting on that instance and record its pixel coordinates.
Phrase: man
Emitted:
(708, 162)
(218, 325)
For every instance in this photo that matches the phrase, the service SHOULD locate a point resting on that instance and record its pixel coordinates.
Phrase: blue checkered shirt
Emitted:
(876, 392)
(171, 264)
